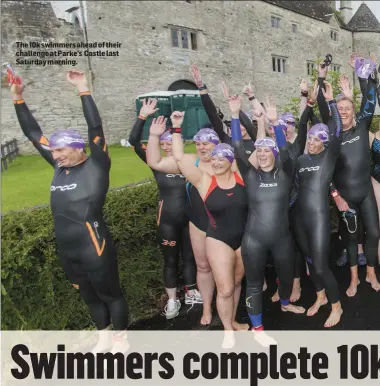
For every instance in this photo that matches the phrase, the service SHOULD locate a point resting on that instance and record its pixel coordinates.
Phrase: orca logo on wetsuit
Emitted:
(310, 169)
(262, 185)
(63, 188)
(175, 175)
(351, 140)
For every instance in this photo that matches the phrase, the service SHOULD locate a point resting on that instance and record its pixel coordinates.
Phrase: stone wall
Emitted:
(235, 42)
(48, 95)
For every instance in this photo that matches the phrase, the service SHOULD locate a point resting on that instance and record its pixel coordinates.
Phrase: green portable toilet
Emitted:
(195, 115)
(163, 103)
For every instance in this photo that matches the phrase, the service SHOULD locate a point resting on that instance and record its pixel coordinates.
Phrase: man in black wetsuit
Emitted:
(352, 181)
(78, 191)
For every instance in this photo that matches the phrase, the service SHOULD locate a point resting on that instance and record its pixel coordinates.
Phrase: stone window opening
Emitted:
(310, 68)
(182, 38)
(334, 35)
(278, 64)
(294, 28)
(335, 67)
(275, 20)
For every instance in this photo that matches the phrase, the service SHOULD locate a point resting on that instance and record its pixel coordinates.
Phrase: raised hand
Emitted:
(258, 115)
(328, 93)
(248, 90)
(270, 110)
(17, 87)
(234, 103)
(314, 94)
(344, 85)
(76, 78)
(322, 72)
(303, 86)
(148, 108)
(158, 126)
(177, 118)
(351, 60)
(195, 72)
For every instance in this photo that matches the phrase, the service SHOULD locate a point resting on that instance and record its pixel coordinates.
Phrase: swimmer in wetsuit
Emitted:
(172, 220)
(78, 191)
(267, 231)
(224, 198)
(352, 187)
(312, 223)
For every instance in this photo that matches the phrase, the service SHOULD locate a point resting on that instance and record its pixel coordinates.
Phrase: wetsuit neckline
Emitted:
(216, 182)
(73, 167)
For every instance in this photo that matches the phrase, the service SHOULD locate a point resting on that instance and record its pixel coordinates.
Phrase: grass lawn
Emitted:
(26, 182)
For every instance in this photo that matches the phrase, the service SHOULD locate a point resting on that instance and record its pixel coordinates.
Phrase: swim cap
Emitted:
(224, 150)
(268, 142)
(167, 136)
(287, 118)
(207, 135)
(67, 138)
(321, 131)
(364, 67)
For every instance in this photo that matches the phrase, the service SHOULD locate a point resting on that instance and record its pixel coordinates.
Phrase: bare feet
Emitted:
(206, 319)
(293, 308)
(276, 297)
(228, 340)
(262, 338)
(374, 283)
(315, 307)
(353, 288)
(240, 326)
(334, 318)
(296, 292)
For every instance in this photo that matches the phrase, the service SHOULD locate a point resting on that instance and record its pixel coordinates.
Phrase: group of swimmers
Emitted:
(255, 187)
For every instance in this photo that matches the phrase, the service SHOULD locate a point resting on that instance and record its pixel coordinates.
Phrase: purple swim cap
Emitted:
(364, 67)
(167, 136)
(287, 118)
(206, 135)
(224, 151)
(67, 138)
(268, 142)
(321, 131)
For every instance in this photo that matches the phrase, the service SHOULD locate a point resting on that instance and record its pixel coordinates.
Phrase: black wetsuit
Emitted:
(267, 229)
(312, 223)
(172, 219)
(352, 178)
(227, 211)
(218, 126)
(77, 197)
(375, 151)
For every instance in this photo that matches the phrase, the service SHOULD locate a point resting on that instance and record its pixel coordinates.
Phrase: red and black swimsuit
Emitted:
(227, 210)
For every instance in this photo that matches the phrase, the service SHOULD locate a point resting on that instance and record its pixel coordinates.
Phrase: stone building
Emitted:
(271, 43)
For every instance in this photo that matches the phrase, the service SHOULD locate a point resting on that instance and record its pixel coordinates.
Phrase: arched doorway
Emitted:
(182, 85)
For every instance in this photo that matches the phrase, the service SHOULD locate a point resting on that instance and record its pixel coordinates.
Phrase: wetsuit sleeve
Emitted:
(96, 139)
(287, 163)
(32, 130)
(365, 118)
(336, 126)
(313, 118)
(322, 105)
(135, 138)
(363, 90)
(213, 116)
(249, 126)
(237, 143)
(300, 141)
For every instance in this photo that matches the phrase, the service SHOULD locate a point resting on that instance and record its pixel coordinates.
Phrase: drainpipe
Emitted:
(353, 50)
(89, 69)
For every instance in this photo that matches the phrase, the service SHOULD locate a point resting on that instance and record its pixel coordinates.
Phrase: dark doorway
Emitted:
(182, 85)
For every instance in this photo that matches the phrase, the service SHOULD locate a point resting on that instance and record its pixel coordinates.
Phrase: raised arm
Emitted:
(208, 104)
(27, 122)
(365, 118)
(148, 108)
(185, 162)
(304, 95)
(96, 139)
(322, 105)
(153, 150)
